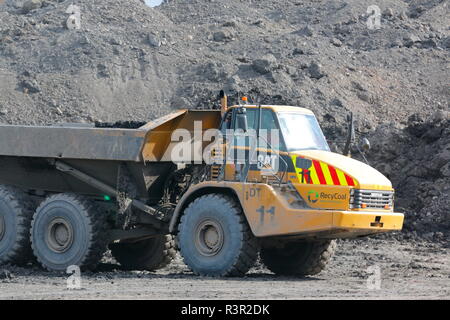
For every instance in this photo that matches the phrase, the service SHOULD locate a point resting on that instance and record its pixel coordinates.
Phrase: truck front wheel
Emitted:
(149, 254)
(300, 258)
(215, 239)
(16, 211)
(66, 230)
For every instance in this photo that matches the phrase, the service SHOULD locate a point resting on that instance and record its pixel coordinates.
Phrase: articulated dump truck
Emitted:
(70, 192)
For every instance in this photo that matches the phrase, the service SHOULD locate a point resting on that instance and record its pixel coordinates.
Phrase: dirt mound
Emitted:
(417, 160)
(107, 70)
(129, 61)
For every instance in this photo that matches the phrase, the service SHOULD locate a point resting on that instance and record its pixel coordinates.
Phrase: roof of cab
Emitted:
(279, 108)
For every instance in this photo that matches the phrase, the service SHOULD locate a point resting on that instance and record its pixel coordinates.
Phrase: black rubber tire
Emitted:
(299, 258)
(240, 248)
(89, 232)
(16, 208)
(150, 254)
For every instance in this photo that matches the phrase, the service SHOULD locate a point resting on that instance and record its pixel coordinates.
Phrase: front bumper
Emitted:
(271, 213)
(389, 221)
(328, 224)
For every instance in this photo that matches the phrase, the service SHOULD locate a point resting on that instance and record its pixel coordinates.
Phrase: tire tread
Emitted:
(249, 251)
(23, 206)
(98, 228)
(312, 263)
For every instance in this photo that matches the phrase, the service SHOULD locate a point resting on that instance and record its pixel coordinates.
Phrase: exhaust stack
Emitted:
(223, 102)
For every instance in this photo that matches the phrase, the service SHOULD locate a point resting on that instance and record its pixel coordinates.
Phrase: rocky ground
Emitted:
(130, 62)
(408, 270)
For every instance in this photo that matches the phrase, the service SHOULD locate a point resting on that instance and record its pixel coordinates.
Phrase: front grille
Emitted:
(372, 199)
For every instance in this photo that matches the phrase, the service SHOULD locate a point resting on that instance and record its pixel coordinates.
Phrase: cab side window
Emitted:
(268, 121)
(269, 138)
(270, 134)
(252, 118)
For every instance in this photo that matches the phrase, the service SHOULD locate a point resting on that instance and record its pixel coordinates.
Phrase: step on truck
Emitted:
(221, 186)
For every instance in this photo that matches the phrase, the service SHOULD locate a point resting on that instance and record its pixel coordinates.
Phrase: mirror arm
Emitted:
(362, 154)
(350, 135)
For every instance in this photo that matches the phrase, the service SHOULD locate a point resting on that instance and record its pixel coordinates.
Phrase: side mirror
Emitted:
(241, 119)
(302, 163)
(364, 144)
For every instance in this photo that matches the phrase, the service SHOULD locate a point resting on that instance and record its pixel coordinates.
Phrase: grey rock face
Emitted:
(30, 5)
(265, 64)
(316, 70)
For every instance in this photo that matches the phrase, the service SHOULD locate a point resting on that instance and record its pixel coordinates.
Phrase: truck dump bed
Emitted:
(25, 152)
(146, 143)
(72, 142)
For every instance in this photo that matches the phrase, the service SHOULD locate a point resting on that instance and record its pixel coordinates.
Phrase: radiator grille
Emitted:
(374, 199)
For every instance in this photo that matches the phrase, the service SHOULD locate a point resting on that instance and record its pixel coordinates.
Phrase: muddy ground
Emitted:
(408, 270)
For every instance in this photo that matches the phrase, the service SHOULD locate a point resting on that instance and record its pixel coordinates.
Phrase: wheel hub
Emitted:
(209, 237)
(59, 235)
(2, 227)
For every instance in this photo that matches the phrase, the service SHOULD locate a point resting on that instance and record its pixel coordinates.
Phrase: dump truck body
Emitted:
(206, 176)
(27, 153)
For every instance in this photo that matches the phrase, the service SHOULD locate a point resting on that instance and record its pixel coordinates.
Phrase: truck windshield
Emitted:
(301, 132)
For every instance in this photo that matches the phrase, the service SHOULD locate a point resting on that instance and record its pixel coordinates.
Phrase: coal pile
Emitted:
(120, 124)
(417, 160)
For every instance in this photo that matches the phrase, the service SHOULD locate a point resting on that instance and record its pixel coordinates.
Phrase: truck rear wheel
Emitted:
(215, 239)
(67, 230)
(149, 254)
(16, 211)
(298, 258)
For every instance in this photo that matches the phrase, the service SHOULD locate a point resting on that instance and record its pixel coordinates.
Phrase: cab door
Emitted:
(245, 156)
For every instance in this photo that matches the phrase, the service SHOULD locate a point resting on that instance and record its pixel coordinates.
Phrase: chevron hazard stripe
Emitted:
(323, 173)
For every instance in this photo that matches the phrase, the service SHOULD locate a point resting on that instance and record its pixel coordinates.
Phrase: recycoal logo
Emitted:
(313, 196)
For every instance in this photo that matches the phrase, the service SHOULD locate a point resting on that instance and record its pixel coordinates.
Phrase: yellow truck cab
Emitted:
(313, 192)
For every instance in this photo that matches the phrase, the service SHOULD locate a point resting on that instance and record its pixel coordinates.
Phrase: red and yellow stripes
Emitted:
(325, 174)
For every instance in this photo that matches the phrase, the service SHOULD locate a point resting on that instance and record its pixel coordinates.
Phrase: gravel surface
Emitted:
(412, 270)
